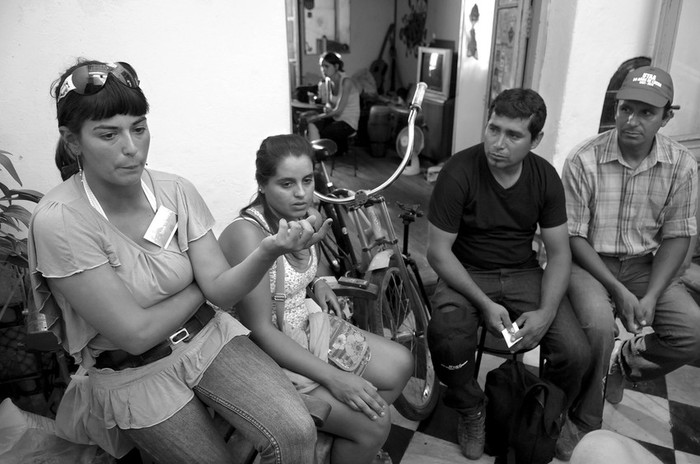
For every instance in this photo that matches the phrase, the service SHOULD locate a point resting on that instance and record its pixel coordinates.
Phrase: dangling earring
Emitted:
(80, 166)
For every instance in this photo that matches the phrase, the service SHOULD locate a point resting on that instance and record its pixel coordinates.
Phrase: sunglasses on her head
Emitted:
(91, 78)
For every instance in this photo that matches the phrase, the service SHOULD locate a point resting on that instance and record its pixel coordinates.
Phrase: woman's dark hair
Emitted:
(521, 104)
(73, 110)
(334, 59)
(269, 156)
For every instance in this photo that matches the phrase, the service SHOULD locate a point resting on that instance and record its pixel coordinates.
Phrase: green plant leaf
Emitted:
(18, 212)
(12, 222)
(8, 245)
(9, 167)
(14, 251)
(22, 194)
(18, 260)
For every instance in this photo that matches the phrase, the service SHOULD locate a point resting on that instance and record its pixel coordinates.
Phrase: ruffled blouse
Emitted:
(67, 236)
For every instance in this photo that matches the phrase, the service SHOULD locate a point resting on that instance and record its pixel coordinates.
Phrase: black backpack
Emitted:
(524, 415)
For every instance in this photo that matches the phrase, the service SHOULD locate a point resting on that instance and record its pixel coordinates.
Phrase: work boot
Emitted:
(471, 431)
(614, 384)
(568, 439)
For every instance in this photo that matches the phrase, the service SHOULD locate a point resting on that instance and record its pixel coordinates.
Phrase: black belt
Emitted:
(120, 359)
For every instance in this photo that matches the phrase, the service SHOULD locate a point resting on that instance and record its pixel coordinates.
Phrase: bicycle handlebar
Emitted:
(360, 197)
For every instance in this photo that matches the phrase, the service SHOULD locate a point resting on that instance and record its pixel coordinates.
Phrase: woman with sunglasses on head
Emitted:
(360, 374)
(341, 98)
(122, 261)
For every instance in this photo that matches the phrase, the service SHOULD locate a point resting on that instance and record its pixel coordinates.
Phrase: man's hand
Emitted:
(644, 312)
(626, 305)
(496, 318)
(533, 325)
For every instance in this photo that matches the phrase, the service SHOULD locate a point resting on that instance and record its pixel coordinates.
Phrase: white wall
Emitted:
(214, 71)
(581, 43)
(586, 41)
(686, 72)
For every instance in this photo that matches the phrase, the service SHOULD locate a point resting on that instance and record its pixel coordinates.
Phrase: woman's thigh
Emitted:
(188, 436)
(391, 363)
(349, 423)
(248, 389)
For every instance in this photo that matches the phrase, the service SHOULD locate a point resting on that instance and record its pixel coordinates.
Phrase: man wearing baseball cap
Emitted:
(631, 198)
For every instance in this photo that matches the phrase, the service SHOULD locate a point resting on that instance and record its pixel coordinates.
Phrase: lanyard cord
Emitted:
(98, 207)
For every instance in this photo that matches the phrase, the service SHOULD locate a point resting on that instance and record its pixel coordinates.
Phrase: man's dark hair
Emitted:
(521, 104)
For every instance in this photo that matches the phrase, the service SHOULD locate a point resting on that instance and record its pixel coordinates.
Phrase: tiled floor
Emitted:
(663, 415)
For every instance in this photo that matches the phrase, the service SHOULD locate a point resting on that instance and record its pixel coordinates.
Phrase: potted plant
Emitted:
(14, 220)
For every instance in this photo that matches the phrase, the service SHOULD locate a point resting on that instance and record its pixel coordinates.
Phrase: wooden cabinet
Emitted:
(438, 118)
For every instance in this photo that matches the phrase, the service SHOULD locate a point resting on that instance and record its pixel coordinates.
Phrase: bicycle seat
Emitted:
(324, 148)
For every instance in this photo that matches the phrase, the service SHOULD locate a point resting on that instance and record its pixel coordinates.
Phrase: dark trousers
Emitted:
(452, 334)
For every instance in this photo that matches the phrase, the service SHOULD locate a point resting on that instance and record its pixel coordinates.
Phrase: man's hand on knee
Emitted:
(626, 305)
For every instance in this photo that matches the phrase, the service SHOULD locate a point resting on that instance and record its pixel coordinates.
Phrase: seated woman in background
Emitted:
(341, 98)
(297, 334)
(122, 260)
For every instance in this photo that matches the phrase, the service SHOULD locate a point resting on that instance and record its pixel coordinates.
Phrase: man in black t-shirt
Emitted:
(484, 211)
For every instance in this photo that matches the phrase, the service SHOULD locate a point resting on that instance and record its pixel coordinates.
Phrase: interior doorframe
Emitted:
(662, 56)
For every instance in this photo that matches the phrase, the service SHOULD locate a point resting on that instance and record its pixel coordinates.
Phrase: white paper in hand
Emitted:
(508, 334)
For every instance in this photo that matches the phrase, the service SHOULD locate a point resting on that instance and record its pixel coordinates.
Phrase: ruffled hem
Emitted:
(145, 396)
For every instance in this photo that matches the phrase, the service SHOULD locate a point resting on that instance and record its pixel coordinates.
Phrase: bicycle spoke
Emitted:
(400, 321)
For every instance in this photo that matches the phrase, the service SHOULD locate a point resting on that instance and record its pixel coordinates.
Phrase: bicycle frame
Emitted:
(400, 310)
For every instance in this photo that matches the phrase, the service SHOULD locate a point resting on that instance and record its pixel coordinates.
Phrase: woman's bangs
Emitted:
(116, 99)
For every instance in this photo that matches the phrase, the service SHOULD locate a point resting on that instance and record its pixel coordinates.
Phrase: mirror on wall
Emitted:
(326, 26)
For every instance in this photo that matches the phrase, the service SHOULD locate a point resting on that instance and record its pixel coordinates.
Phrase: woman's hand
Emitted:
(359, 394)
(326, 298)
(296, 235)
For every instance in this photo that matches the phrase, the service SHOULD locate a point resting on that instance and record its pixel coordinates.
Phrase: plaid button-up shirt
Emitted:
(627, 212)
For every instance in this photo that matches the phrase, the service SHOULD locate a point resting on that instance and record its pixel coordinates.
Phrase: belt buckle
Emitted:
(179, 336)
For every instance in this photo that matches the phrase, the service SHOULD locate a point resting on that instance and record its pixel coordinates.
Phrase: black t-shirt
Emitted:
(495, 226)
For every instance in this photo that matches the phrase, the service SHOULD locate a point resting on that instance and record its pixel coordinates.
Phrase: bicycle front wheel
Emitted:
(400, 315)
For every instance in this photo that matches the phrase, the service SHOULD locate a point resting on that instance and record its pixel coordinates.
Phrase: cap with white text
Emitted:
(649, 85)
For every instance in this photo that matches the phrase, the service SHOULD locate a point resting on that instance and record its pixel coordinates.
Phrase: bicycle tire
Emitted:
(400, 315)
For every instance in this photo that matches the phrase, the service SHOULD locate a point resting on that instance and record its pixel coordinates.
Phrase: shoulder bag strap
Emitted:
(279, 296)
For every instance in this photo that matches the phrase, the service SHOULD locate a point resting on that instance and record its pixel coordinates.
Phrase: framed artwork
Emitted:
(509, 46)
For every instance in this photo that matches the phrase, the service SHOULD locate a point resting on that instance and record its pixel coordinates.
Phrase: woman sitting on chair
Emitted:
(368, 372)
(122, 259)
(341, 98)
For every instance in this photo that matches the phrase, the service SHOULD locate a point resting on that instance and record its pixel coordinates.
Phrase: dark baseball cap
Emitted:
(649, 85)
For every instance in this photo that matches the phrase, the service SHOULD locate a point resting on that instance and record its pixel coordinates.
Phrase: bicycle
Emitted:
(401, 308)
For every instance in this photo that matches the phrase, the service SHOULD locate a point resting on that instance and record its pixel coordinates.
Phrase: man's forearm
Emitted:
(554, 283)
(667, 260)
(450, 270)
(585, 256)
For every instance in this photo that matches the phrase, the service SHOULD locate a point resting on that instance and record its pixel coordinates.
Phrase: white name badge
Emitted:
(162, 228)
